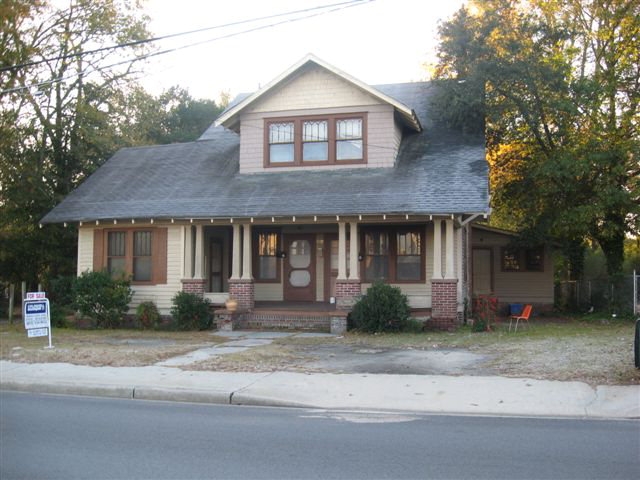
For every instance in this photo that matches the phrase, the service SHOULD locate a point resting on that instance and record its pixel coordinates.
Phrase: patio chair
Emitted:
(524, 316)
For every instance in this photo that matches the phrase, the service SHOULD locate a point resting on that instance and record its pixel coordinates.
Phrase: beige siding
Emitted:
(416, 293)
(516, 287)
(313, 88)
(380, 141)
(85, 250)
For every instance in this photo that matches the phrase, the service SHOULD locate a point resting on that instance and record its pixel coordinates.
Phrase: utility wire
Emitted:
(172, 35)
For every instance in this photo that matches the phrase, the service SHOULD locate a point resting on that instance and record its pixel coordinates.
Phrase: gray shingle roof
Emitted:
(438, 171)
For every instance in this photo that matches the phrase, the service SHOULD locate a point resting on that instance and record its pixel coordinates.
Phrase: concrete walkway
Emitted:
(407, 393)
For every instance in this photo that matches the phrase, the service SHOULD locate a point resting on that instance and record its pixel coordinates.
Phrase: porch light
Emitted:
(281, 254)
(115, 222)
(65, 224)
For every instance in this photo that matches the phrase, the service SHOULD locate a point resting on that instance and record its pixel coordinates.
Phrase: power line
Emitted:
(173, 35)
(335, 7)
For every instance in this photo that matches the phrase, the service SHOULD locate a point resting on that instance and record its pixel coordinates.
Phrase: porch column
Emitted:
(347, 289)
(198, 254)
(450, 270)
(193, 281)
(354, 273)
(188, 253)
(242, 288)
(235, 267)
(342, 252)
(246, 253)
(437, 249)
(444, 288)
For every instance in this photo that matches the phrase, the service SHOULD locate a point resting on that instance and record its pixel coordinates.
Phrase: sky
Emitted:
(380, 41)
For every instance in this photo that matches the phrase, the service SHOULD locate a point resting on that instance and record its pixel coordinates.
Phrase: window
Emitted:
(317, 140)
(394, 254)
(281, 144)
(140, 254)
(376, 261)
(267, 267)
(116, 254)
(408, 256)
(523, 259)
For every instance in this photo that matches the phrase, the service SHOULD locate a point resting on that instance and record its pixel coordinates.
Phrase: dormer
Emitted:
(314, 116)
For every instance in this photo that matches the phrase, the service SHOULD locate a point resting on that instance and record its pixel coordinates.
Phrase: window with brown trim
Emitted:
(315, 140)
(140, 254)
(394, 254)
(522, 259)
(267, 264)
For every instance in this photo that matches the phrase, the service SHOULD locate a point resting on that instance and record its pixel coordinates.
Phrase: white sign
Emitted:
(37, 318)
(36, 295)
(37, 332)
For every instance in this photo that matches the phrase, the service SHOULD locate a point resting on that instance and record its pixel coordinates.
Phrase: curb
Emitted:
(111, 391)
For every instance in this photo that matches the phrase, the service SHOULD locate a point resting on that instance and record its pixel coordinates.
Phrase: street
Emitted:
(46, 436)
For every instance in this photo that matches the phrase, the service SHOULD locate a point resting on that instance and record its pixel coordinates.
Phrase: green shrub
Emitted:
(191, 312)
(102, 298)
(148, 315)
(60, 295)
(383, 309)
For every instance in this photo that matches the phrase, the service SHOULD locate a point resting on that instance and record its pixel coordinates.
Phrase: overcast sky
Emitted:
(382, 41)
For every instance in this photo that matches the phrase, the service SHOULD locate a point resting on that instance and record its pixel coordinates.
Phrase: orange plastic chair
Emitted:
(524, 316)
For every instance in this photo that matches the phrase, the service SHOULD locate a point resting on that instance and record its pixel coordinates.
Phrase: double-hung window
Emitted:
(267, 267)
(117, 254)
(315, 140)
(394, 254)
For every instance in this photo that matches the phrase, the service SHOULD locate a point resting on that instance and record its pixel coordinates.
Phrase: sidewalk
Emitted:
(407, 393)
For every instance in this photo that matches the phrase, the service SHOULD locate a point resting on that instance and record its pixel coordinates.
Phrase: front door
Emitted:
(215, 266)
(481, 271)
(299, 268)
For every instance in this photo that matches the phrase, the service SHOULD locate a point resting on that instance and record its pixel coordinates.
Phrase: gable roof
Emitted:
(230, 116)
(438, 171)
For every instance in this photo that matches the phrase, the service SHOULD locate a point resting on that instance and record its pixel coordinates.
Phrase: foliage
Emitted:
(148, 315)
(60, 294)
(383, 308)
(561, 105)
(191, 312)
(102, 298)
(485, 308)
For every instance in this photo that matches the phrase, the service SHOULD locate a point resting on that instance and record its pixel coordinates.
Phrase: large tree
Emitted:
(561, 80)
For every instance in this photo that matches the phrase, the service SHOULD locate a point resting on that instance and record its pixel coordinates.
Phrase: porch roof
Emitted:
(438, 171)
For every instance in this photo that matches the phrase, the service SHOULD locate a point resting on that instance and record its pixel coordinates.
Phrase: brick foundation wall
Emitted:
(193, 285)
(347, 294)
(244, 292)
(444, 304)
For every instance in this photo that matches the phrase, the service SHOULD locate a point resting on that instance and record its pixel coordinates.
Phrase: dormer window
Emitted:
(316, 140)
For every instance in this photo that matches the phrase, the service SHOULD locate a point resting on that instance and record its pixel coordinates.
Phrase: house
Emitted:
(513, 274)
(302, 193)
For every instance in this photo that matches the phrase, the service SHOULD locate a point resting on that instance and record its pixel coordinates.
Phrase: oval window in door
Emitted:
(300, 254)
(299, 278)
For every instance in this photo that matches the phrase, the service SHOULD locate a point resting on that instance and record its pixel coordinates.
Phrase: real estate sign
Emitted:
(37, 316)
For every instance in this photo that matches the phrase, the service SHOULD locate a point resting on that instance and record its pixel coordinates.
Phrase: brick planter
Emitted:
(244, 292)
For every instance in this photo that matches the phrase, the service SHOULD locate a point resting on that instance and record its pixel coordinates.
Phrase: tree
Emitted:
(56, 120)
(561, 82)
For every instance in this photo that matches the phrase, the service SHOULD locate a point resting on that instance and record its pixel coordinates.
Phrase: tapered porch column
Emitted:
(444, 286)
(241, 288)
(342, 249)
(188, 253)
(197, 271)
(354, 271)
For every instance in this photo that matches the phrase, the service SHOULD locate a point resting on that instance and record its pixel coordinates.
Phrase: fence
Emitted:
(619, 296)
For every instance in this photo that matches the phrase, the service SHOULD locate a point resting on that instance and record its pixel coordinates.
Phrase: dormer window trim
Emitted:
(304, 140)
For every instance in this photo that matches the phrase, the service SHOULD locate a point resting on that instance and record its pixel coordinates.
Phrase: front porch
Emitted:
(297, 273)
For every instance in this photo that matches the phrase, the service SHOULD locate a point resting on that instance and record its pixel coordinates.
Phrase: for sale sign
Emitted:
(37, 318)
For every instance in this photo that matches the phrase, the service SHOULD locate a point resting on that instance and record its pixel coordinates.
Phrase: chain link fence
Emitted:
(613, 295)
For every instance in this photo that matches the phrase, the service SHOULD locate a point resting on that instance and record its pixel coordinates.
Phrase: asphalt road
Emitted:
(67, 437)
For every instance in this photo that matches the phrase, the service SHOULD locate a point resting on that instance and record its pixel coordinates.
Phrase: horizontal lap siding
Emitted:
(268, 292)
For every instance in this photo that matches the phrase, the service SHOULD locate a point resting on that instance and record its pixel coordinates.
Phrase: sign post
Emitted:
(37, 316)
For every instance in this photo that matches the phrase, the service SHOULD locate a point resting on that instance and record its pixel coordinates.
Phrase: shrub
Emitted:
(485, 309)
(383, 309)
(148, 315)
(102, 298)
(60, 294)
(191, 312)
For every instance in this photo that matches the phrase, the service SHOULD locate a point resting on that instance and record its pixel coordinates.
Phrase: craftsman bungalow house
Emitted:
(301, 194)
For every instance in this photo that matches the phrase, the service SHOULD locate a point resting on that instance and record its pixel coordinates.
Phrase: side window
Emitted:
(142, 256)
(376, 261)
(267, 268)
(408, 256)
(281, 142)
(116, 254)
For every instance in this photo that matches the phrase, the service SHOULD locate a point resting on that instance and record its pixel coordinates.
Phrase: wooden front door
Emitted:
(300, 268)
